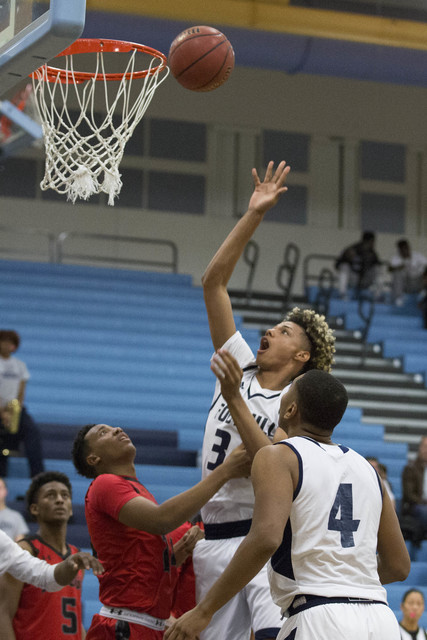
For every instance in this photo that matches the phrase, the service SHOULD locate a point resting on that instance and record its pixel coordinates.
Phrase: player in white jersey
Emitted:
(323, 515)
(303, 340)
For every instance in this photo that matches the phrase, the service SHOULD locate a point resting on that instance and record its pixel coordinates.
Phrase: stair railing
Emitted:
(169, 263)
(251, 257)
(286, 272)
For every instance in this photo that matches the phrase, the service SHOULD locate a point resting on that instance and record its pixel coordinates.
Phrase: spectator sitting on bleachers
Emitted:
(414, 495)
(381, 469)
(407, 268)
(31, 612)
(11, 521)
(13, 379)
(412, 607)
(358, 265)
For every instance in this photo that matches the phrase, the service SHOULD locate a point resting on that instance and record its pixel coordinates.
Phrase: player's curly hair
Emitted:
(79, 453)
(40, 480)
(320, 336)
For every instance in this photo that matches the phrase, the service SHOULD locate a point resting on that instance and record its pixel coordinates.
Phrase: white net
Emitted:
(86, 127)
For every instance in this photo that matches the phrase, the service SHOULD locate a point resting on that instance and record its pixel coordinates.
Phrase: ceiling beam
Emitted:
(278, 16)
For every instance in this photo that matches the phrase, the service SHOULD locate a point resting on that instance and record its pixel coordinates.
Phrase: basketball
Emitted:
(201, 58)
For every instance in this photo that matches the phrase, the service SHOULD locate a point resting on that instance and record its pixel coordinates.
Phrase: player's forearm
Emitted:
(64, 573)
(252, 435)
(221, 267)
(173, 512)
(6, 617)
(392, 572)
(7, 632)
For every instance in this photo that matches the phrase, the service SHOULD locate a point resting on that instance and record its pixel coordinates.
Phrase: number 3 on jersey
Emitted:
(220, 448)
(344, 524)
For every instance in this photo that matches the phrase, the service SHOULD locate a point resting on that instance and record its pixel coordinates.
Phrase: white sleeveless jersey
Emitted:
(235, 500)
(330, 540)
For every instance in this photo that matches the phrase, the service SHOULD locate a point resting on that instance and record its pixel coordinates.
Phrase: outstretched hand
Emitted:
(66, 571)
(228, 371)
(267, 193)
(188, 626)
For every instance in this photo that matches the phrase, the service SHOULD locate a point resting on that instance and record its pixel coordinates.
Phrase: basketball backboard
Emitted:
(33, 32)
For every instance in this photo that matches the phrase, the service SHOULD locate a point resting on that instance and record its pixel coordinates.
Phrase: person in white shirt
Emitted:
(407, 268)
(412, 607)
(25, 567)
(11, 521)
(323, 518)
(14, 376)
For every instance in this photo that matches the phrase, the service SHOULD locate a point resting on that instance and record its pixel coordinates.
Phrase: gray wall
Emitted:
(336, 114)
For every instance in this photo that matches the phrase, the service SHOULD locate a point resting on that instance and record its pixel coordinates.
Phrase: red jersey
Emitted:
(49, 616)
(184, 593)
(139, 567)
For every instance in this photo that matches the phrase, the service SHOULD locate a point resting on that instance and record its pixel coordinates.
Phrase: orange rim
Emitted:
(97, 45)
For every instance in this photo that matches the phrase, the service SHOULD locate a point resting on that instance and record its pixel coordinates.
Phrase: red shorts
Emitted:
(103, 628)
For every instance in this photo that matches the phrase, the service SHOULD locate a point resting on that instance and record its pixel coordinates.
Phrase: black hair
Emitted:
(9, 334)
(402, 243)
(368, 235)
(41, 479)
(409, 591)
(322, 399)
(79, 453)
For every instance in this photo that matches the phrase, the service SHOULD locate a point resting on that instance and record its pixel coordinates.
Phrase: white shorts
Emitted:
(252, 608)
(350, 621)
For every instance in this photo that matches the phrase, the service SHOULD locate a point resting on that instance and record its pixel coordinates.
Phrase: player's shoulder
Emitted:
(106, 479)
(31, 543)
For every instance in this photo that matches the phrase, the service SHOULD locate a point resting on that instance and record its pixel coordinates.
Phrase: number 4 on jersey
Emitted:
(344, 524)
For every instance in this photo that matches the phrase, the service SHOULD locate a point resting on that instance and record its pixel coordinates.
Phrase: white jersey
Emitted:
(235, 500)
(405, 635)
(330, 540)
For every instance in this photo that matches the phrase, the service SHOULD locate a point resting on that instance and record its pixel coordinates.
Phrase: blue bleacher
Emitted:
(133, 349)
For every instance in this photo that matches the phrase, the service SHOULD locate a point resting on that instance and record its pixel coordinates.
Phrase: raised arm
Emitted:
(145, 515)
(393, 558)
(215, 279)
(274, 475)
(228, 371)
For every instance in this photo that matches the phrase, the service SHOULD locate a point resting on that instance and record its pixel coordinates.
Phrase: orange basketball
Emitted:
(201, 58)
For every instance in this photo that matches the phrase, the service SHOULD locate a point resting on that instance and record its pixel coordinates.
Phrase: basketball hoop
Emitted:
(83, 146)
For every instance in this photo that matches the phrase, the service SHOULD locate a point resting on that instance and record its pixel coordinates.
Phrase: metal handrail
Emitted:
(37, 231)
(172, 263)
(251, 257)
(313, 278)
(286, 272)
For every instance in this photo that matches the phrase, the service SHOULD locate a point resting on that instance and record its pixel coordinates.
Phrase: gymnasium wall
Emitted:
(341, 120)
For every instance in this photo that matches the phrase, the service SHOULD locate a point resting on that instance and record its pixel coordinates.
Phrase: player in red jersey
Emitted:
(28, 612)
(129, 533)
